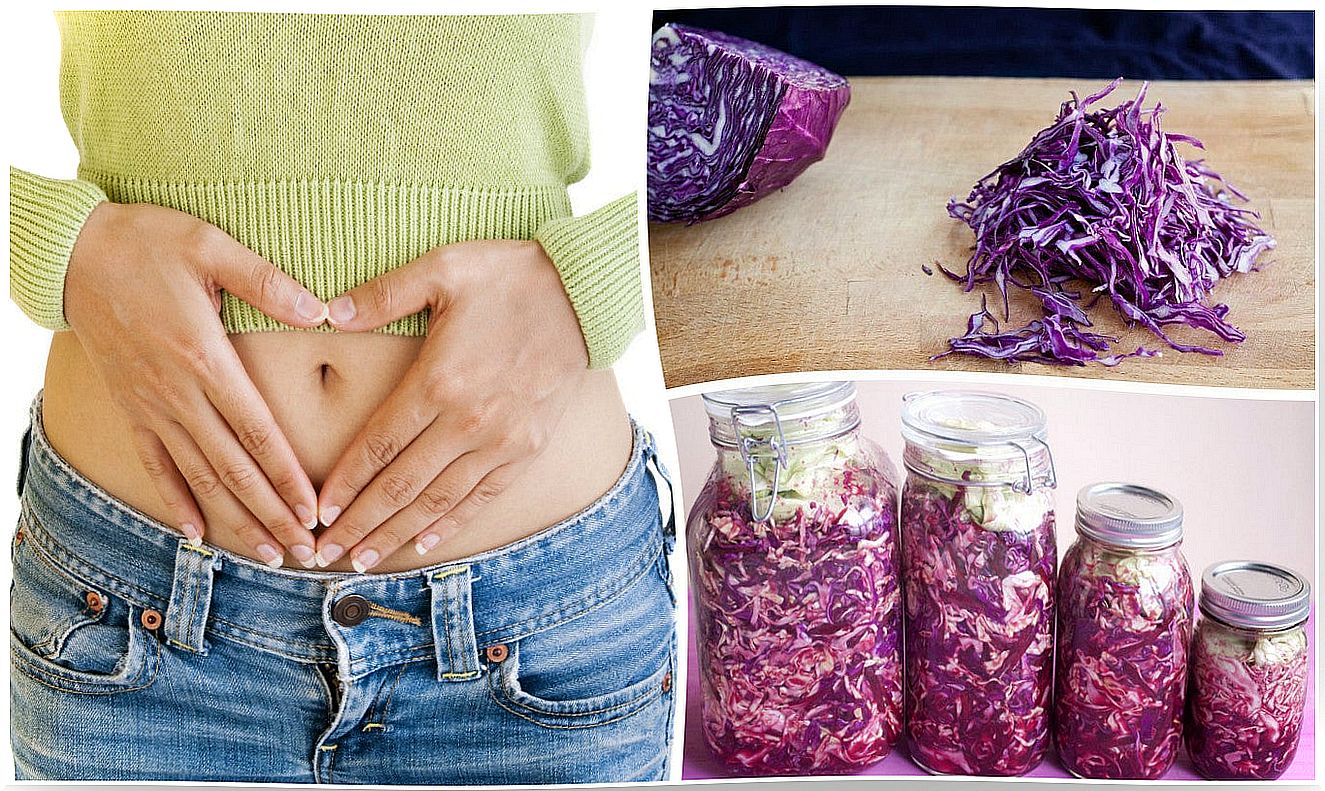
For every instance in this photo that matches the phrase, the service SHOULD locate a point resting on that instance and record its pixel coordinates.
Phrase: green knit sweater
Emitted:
(336, 146)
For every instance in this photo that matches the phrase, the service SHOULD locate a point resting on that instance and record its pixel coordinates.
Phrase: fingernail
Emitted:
(310, 308)
(365, 560)
(329, 514)
(306, 516)
(426, 543)
(341, 310)
(192, 533)
(328, 555)
(303, 554)
(270, 555)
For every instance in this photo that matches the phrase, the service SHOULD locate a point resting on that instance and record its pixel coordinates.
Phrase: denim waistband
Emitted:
(447, 611)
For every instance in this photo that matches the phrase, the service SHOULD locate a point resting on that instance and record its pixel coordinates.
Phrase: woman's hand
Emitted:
(490, 383)
(143, 295)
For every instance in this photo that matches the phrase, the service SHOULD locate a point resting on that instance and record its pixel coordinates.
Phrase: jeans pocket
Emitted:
(68, 633)
(588, 712)
(608, 663)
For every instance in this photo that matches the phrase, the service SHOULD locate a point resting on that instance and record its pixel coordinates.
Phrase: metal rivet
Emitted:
(496, 653)
(667, 682)
(151, 619)
(350, 610)
(18, 538)
(95, 602)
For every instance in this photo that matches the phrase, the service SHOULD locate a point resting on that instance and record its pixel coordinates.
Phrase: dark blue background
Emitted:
(1027, 42)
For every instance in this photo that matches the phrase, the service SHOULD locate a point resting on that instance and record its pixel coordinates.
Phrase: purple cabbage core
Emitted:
(731, 121)
(1124, 624)
(979, 634)
(1102, 206)
(799, 628)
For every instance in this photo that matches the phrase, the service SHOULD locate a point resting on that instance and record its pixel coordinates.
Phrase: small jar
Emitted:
(793, 563)
(978, 563)
(1249, 671)
(1124, 624)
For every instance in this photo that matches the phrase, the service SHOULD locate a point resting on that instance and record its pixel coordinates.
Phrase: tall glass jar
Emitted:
(1124, 624)
(793, 563)
(1249, 671)
(978, 562)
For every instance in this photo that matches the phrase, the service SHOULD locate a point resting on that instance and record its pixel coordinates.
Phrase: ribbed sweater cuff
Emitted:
(45, 217)
(598, 258)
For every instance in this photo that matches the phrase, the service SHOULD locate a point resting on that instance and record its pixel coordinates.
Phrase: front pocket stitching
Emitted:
(540, 724)
(47, 677)
(55, 642)
(643, 696)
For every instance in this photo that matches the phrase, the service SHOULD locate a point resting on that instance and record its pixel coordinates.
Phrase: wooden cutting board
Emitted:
(827, 274)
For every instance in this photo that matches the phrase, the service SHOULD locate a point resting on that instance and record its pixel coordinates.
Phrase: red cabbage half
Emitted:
(1101, 206)
(731, 121)
(1124, 623)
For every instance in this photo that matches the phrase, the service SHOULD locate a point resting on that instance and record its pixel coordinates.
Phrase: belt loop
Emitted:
(23, 446)
(190, 597)
(453, 624)
(669, 505)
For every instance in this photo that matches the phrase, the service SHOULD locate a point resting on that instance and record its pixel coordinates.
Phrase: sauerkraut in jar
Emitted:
(978, 563)
(1249, 671)
(1124, 624)
(793, 563)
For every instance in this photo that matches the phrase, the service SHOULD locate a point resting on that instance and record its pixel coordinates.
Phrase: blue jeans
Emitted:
(135, 656)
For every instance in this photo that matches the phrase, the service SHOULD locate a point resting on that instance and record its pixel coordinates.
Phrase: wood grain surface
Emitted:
(827, 273)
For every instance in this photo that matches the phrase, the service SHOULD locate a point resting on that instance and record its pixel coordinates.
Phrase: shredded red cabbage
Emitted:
(799, 624)
(1100, 205)
(1124, 625)
(1246, 702)
(731, 121)
(979, 626)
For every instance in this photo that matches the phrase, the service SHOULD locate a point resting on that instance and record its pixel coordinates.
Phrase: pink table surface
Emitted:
(699, 763)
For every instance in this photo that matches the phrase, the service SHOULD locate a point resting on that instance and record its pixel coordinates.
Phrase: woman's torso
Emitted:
(321, 389)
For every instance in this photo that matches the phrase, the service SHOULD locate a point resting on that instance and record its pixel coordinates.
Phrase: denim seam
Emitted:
(56, 641)
(643, 704)
(48, 676)
(647, 694)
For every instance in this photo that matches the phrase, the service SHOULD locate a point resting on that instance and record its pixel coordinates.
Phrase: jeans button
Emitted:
(350, 610)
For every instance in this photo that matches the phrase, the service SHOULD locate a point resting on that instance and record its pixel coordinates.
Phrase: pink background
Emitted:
(1243, 469)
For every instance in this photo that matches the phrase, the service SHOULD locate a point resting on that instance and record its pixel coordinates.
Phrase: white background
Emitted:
(616, 71)
(36, 140)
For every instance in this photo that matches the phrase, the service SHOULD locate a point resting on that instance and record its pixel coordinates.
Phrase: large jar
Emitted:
(978, 562)
(1249, 671)
(1124, 624)
(793, 564)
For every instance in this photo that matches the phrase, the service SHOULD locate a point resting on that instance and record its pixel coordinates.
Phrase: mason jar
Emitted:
(1249, 671)
(1124, 624)
(793, 562)
(978, 563)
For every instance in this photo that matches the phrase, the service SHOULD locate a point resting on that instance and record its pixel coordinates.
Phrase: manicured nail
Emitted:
(365, 560)
(341, 310)
(307, 517)
(329, 514)
(304, 554)
(192, 533)
(270, 555)
(328, 555)
(310, 308)
(426, 543)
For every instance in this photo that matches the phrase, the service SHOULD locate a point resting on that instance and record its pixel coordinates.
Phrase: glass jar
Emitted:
(978, 562)
(792, 546)
(1124, 624)
(1249, 671)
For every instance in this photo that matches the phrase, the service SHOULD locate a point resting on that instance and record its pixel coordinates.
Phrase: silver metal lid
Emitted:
(970, 417)
(1253, 595)
(1129, 515)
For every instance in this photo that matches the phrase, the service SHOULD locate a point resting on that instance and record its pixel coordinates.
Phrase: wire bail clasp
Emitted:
(1027, 485)
(754, 447)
